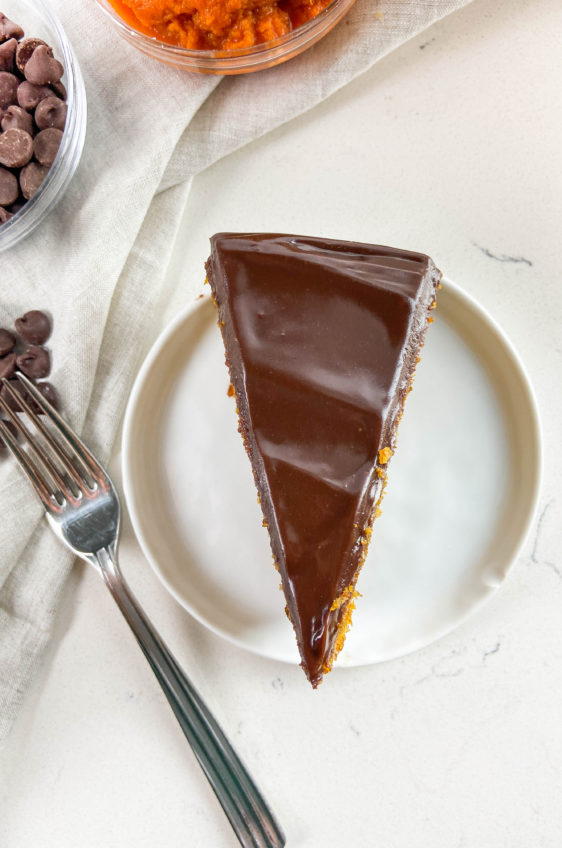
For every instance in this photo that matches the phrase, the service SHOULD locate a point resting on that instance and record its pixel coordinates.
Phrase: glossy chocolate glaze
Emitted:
(322, 339)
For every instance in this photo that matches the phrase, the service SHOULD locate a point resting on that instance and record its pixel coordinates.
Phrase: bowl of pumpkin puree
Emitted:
(224, 36)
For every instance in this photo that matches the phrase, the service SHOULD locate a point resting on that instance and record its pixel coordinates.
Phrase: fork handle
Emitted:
(248, 813)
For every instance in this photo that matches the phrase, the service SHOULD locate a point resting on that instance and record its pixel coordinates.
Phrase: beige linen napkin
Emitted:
(98, 263)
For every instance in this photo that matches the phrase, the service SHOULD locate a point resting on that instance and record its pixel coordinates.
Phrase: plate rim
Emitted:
(533, 411)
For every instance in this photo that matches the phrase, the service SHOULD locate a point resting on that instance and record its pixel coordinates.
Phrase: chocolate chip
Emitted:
(16, 148)
(34, 327)
(7, 366)
(49, 393)
(42, 68)
(4, 215)
(34, 362)
(59, 89)
(8, 89)
(31, 178)
(8, 29)
(51, 112)
(46, 145)
(9, 187)
(16, 118)
(7, 341)
(25, 51)
(11, 427)
(8, 55)
(7, 397)
(30, 95)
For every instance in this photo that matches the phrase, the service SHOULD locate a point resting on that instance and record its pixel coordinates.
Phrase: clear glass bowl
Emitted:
(242, 61)
(38, 20)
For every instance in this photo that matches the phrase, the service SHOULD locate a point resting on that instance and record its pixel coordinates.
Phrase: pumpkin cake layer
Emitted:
(322, 338)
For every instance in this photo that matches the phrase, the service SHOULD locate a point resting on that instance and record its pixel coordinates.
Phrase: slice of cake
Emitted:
(322, 338)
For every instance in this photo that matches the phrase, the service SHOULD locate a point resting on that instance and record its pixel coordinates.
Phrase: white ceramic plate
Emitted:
(462, 490)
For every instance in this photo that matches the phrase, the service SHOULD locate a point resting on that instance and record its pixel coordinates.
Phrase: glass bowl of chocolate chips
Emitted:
(42, 116)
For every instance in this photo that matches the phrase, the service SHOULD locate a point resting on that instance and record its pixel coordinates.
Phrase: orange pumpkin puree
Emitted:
(217, 24)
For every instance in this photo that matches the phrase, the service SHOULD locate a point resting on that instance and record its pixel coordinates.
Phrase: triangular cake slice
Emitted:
(322, 338)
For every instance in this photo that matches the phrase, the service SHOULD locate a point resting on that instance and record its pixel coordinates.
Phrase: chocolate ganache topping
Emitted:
(322, 338)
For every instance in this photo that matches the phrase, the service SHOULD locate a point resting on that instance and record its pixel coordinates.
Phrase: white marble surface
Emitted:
(452, 146)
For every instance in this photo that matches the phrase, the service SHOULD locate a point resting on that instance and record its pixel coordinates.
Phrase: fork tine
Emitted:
(30, 470)
(52, 442)
(80, 449)
(37, 450)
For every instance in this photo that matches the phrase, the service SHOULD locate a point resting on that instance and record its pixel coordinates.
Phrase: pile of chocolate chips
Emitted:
(32, 115)
(23, 350)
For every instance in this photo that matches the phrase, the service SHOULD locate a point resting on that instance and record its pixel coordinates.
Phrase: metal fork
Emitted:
(82, 508)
